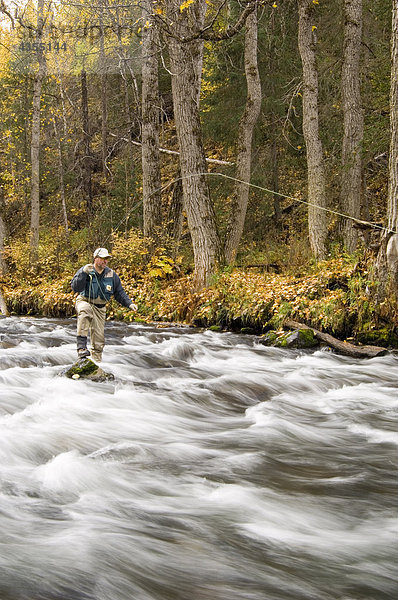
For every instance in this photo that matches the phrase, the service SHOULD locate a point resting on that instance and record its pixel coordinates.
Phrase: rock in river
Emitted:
(84, 368)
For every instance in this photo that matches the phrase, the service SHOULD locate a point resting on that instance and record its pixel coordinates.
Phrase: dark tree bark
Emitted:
(351, 178)
(317, 219)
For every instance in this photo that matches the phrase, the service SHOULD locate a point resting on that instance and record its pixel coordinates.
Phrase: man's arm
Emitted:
(120, 294)
(78, 282)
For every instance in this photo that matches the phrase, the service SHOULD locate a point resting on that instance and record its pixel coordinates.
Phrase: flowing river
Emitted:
(212, 468)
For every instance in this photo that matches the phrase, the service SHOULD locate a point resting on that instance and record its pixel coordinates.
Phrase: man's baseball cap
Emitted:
(101, 253)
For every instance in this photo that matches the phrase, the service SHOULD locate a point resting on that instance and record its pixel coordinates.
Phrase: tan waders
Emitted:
(91, 318)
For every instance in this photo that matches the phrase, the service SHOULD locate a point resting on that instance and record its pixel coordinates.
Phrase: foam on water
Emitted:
(212, 468)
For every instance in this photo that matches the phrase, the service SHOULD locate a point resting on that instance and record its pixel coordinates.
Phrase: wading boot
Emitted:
(83, 352)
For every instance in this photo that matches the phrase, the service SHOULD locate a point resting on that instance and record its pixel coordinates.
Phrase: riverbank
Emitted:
(336, 297)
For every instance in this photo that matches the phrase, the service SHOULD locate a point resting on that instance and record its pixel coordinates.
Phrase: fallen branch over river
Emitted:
(342, 347)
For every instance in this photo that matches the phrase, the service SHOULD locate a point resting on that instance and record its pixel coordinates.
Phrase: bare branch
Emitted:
(166, 151)
(5, 11)
(207, 33)
(231, 29)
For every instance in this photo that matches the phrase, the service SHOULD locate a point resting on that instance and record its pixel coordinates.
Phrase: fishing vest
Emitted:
(99, 289)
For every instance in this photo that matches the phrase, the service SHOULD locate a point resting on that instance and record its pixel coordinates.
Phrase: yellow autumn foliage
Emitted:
(333, 298)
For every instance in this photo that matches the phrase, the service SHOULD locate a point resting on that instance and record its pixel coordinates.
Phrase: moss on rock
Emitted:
(84, 368)
(269, 338)
(302, 338)
(384, 337)
(305, 339)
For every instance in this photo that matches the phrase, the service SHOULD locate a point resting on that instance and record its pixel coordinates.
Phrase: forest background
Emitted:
(239, 159)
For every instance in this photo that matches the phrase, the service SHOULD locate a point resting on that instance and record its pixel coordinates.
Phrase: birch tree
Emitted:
(317, 220)
(351, 178)
(387, 260)
(244, 143)
(35, 140)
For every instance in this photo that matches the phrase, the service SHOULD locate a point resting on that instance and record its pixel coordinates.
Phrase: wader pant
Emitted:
(90, 318)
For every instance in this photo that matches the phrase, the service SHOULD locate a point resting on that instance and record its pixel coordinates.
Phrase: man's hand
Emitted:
(88, 268)
(133, 306)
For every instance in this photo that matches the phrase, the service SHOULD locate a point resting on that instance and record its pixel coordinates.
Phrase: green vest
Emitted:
(99, 288)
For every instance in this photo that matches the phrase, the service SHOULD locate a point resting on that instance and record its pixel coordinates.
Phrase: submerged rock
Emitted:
(303, 338)
(84, 368)
(269, 338)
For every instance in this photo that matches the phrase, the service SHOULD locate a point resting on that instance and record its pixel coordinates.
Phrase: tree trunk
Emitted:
(351, 178)
(275, 181)
(392, 205)
(342, 347)
(3, 264)
(387, 260)
(35, 144)
(272, 68)
(61, 176)
(184, 60)
(104, 97)
(175, 216)
(131, 118)
(124, 57)
(317, 219)
(87, 158)
(151, 179)
(244, 144)
(199, 9)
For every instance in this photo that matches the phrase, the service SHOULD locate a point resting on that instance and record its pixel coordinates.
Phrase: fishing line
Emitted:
(164, 187)
(274, 193)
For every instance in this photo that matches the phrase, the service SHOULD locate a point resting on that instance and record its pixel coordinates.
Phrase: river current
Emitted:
(212, 468)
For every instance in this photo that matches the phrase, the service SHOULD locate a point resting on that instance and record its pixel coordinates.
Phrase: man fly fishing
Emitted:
(96, 283)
